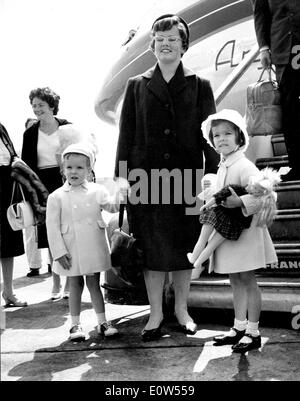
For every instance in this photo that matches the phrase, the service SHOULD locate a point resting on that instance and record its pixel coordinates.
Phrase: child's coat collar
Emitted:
(231, 159)
(67, 187)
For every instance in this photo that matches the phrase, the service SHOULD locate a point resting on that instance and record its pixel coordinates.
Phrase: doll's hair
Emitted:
(264, 185)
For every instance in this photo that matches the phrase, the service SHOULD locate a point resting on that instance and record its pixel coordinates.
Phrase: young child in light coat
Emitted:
(253, 249)
(77, 234)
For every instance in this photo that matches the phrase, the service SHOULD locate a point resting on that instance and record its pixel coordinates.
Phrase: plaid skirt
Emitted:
(228, 222)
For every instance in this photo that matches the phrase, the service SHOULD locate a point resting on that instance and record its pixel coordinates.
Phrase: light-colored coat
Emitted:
(254, 248)
(75, 226)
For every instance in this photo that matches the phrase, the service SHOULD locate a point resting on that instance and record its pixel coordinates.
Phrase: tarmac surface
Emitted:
(35, 345)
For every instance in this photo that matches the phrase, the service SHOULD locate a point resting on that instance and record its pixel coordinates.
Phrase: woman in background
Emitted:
(40, 147)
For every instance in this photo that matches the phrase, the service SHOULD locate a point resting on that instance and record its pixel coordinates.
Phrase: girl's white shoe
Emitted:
(196, 272)
(189, 256)
(107, 329)
(76, 333)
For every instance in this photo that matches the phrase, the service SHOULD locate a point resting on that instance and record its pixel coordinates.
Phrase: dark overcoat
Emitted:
(30, 144)
(160, 130)
(277, 25)
(11, 242)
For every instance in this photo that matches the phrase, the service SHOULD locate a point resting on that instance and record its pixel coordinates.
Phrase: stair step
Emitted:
(286, 225)
(275, 162)
(278, 144)
(278, 294)
(288, 254)
(288, 195)
(289, 250)
(287, 245)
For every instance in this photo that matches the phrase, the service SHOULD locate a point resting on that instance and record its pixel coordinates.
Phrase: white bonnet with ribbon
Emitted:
(228, 115)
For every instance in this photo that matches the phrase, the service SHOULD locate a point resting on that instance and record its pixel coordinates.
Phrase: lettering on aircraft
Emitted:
(223, 58)
(285, 264)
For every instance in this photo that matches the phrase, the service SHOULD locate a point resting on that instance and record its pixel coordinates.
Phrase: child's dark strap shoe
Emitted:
(244, 345)
(233, 337)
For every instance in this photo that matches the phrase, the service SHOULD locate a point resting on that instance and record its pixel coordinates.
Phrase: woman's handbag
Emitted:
(20, 215)
(263, 110)
(126, 254)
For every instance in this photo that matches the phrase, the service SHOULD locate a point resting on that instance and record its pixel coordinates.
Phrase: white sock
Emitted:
(252, 328)
(101, 318)
(240, 325)
(75, 320)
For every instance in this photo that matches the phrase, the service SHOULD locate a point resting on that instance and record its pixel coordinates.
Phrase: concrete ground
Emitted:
(35, 345)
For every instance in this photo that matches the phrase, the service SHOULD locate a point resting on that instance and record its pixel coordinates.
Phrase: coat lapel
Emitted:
(157, 85)
(178, 82)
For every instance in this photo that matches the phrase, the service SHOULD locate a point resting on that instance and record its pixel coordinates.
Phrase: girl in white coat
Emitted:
(77, 236)
(253, 249)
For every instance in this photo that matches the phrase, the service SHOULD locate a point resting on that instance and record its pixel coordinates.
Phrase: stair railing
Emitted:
(236, 74)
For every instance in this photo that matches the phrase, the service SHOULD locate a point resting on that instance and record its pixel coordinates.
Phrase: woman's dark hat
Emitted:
(180, 19)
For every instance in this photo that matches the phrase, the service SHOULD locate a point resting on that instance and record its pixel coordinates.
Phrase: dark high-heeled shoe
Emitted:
(12, 301)
(152, 334)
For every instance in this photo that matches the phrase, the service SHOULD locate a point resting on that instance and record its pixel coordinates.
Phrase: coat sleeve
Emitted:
(53, 225)
(29, 152)
(262, 22)
(212, 158)
(107, 202)
(126, 127)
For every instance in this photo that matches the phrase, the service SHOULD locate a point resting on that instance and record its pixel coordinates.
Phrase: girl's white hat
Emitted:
(83, 148)
(228, 115)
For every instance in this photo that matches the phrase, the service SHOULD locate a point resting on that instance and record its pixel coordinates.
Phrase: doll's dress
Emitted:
(228, 222)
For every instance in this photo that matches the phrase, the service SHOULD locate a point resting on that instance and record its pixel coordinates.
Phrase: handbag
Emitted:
(20, 215)
(126, 254)
(263, 109)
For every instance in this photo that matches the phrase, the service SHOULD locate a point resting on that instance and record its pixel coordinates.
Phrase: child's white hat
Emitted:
(229, 115)
(83, 148)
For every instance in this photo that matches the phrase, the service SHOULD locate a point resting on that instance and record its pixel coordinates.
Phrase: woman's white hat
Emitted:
(83, 148)
(229, 115)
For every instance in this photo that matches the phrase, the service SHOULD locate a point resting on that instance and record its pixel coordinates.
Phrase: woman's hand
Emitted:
(65, 261)
(232, 201)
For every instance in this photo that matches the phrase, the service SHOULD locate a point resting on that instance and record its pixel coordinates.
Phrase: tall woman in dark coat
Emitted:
(11, 242)
(41, 142)
(160, 130)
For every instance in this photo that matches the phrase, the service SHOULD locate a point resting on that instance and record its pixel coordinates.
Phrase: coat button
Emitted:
(167, 105)
(167, 156)
(167, 131)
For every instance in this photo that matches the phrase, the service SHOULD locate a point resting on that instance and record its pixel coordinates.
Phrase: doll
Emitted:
(229, 223)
